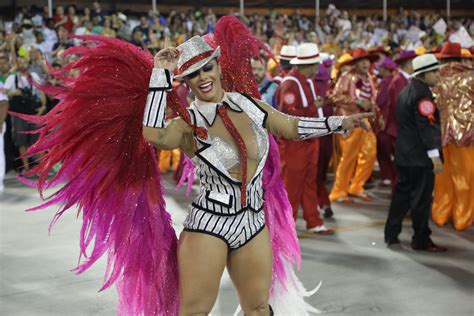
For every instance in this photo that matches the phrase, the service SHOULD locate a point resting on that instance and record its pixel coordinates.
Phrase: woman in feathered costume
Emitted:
(241, 219)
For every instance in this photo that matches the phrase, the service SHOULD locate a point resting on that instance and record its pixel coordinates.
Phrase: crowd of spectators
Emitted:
(34, 38)
(335, 32)
(32, 29)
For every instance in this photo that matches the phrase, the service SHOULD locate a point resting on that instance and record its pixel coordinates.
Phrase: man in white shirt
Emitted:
(50, 35)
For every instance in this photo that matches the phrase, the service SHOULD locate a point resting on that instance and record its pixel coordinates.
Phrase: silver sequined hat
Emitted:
(195, 53)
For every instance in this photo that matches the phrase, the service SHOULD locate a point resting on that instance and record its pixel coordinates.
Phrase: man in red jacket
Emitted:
(296, 95)
(322, 84)
(387, 69)
(395, 88)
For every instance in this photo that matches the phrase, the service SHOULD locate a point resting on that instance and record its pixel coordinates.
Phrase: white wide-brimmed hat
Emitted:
(195, 53)
(122, 17)
(424, 63)
(306, 54)
(287, 52)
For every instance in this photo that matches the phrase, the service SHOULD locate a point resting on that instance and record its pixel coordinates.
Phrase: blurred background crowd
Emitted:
(33, 38)
(336, 32)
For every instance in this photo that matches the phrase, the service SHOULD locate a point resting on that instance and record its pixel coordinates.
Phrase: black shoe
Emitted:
(328, 213)
(432, 247)
(271, 310)
(391, 242)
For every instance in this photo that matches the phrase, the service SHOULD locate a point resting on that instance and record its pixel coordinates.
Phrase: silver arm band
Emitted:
(160, 82)
(310, 127)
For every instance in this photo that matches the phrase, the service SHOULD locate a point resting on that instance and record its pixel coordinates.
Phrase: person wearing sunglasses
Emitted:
(225, 226)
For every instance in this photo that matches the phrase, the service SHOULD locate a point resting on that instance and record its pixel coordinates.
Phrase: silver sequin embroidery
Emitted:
(228, 153)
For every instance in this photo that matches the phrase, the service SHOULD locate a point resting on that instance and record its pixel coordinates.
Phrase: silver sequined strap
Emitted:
(309, 127)
(160, 83)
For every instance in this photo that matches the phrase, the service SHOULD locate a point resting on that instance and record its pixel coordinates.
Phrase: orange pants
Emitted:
(300, 177)
(358, 155)
(168, 159)
(454, 188)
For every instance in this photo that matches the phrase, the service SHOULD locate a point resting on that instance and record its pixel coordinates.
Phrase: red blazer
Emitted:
(382, 100)
(396, 86)
(289, 100)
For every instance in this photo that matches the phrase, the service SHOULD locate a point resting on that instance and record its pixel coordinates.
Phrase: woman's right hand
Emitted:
(167, 58)
(357, 120)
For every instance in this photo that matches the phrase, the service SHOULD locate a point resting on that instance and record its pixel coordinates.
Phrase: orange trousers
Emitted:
(358, 155)
(168, 159)
(454, 188)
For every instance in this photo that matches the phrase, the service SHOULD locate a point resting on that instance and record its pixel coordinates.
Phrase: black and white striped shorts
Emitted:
(234, 230)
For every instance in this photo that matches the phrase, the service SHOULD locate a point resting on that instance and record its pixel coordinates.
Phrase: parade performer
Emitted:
(387, 137)
(374, 69)
(417, 156)
(110, 172)
(287, 53)
(266, 87)
(343, 65)
(354, 93)
(323, 83)
(400, 80)
(296, 96)
(387, 69)
(454, 187)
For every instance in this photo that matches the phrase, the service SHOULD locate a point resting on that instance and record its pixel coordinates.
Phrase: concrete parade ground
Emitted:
(360, 275)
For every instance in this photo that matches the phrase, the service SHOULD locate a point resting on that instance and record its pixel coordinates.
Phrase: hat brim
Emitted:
(386, 53)
(416, 73)
(199, 64)
(444, 56)
(387, 67)
(298, 61)
(400, 60)
(342, 64)
(371, 57)
(285, 58)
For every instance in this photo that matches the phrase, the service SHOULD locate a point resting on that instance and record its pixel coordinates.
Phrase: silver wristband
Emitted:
(155, 109)
(309, 127)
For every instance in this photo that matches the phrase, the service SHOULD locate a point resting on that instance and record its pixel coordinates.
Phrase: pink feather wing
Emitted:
(110, 173)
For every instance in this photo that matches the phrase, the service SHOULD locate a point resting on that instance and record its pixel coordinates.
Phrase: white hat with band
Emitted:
(306, 54)
(287, 52)
(424, 63)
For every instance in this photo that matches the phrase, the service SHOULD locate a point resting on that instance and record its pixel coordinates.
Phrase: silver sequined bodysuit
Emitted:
(229, 154)
(217, 210)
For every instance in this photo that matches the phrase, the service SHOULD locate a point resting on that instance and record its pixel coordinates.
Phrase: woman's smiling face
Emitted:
(205, 83)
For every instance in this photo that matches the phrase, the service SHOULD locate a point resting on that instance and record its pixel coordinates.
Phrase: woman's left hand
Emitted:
(357, 120)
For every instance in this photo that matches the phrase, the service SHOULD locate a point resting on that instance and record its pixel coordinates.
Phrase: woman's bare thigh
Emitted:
(201, 261)
(250, 269)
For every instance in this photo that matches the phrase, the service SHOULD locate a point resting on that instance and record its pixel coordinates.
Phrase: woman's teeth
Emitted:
(206, 87)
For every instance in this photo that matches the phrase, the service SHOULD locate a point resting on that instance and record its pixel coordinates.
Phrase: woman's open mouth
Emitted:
(206, 87)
